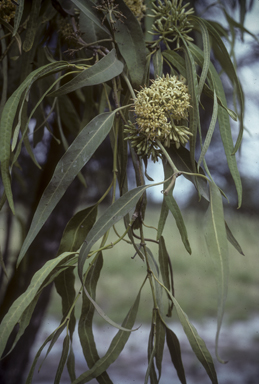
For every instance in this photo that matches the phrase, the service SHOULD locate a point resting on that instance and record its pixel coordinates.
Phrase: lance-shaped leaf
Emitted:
(63, 359)
(71, 163)
(227, 66)
(223, 119)
(175, 210)
(210, 131)
(102, 71)
(201, 26)
(32, 25)
(157, 59)
(115, 348)
(18, 16)
(130, 40)
(216, 239)
(7, 119)
(233, 240)
(85, 326)
(19, 306)
(197, 343)
(175, 350)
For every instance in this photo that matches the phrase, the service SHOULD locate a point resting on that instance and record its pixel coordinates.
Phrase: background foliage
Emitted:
(71, 71)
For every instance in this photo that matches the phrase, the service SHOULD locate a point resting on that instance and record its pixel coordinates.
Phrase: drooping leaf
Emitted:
(77, 155)
(63, 359)
(50, 338)
(224, 124)
(85, 326)
(197, 343)
(194, 115)
(32, 25)
(115, 348)
(177, 61)
(227, 65)
(18, 16)
(151, 372)
(158, 63)
(7, 119)
(216, 239)
(19, 306)
(175, 210)
(130, 41)
(160, 342)
(210, 131)
(175, 353)
(201, 26)
(102, 71)
(233, 240)
(77, 228)
(163, 259)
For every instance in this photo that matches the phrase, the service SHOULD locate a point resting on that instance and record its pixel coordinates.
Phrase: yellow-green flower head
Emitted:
(137, 7)
(171, 22)
(161, 111)
(7, 10)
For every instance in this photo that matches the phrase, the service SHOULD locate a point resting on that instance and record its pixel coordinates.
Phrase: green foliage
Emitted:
(88, 80)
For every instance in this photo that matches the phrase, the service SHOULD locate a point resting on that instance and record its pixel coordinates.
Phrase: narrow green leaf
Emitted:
(115, 348)
(18, 16)
(228, 67)
(233, 240)
(71, 163)
(198, 22)
(102, 71)
(216, 239)
(175, 210)
(49, 338)
(151, 372)
(163, 259)
(7, 119)
(164, 207)
(62, 360)
(130, 41)
(210, 131)
(77, 228)
(88, 9)
(19, 306)
(177, 61)
(224, 124)
(160, 343)
(32, 25)
(196, 342)
(85, 326)
(194, 115)
(157, 59)
(175, 353)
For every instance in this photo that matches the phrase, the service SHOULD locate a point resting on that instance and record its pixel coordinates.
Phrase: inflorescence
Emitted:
(161, 113)
(171, 22)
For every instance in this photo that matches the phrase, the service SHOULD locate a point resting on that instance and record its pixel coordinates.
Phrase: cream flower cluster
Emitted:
(137, 7)
(161, 111)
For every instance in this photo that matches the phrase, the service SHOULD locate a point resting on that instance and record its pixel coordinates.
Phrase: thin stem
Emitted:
(129, 86)
(168, 158)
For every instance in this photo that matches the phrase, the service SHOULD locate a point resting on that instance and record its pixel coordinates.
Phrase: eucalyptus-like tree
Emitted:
(136, 73)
